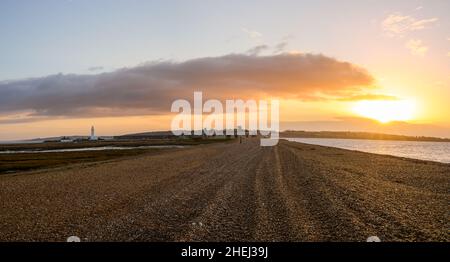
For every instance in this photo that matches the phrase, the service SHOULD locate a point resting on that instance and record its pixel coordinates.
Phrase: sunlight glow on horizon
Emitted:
(386, 111)
(118, 65)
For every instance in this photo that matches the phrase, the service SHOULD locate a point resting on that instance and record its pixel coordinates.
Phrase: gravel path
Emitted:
(226, 192)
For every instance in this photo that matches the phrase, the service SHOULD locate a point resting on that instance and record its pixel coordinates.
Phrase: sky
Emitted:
(335, 65)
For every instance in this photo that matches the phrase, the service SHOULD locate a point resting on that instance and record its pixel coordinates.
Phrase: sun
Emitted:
(386, 110)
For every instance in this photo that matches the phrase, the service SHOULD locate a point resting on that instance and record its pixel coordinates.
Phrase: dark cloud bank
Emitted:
(151, 88)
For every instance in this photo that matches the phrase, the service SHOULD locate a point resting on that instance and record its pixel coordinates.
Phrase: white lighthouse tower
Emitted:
(93, 137)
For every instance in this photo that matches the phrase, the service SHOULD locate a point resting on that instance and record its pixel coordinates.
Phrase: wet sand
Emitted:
(231, 192)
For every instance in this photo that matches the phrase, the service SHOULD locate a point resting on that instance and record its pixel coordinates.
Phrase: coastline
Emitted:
(418, 150)
(231, 192)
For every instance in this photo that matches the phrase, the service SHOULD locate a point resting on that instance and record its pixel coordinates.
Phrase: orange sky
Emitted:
(378, 64)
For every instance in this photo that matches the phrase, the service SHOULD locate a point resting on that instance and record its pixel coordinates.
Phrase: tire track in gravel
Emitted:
(329, 218)
(256, 204)
(360, 204)
(232, 192)
(230, 216)
(271, 208)
(283, 217)
(171, 214)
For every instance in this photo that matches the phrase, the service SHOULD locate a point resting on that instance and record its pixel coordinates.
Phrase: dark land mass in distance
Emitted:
(358, 135)
(231, 192)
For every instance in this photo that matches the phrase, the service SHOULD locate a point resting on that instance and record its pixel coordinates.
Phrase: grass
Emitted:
(123, 143)
(11, 163)
(16, 162)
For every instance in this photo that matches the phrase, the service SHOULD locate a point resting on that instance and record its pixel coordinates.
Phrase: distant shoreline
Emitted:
(283, 134)
(231, 192)
(358, 135)
(419, 150)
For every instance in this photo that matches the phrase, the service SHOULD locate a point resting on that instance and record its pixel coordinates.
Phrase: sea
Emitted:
(433, 151)
(101, 148)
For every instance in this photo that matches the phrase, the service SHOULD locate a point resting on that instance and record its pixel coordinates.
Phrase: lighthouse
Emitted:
(92, 137)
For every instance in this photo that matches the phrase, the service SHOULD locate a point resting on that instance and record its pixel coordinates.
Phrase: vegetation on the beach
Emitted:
(14, 162)
(103, 143)
(231, 192)
(10, 163)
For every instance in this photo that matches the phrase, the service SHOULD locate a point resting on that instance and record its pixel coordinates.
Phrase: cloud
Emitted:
(95, 68)
(397, 24)
(416, 47)
(152, 87)
(257, 49)
(280, 48)
(20, 120)
(368, 97)
(251, 33)
(277, 49)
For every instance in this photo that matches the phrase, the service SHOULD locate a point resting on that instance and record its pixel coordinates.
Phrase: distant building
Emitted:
(66, 140)
(93, 137)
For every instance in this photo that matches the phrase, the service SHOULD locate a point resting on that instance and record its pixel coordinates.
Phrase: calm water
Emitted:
(434, 151)
(87, 149)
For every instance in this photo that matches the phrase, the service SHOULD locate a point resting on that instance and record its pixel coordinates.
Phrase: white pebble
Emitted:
(373, 239)
(73, 239)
